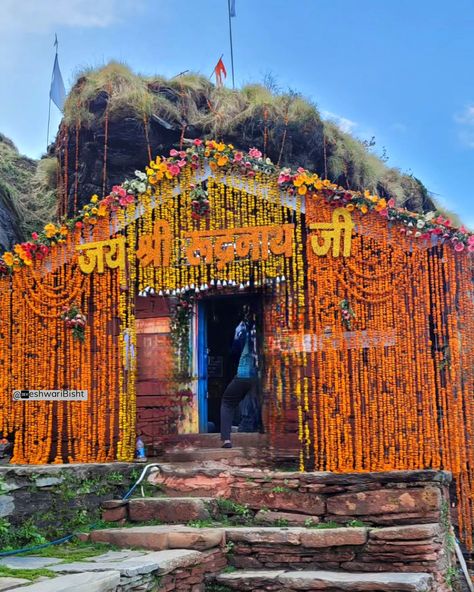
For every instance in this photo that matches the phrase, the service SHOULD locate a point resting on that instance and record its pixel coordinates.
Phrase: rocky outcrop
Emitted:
(114, 120)
(15, 173)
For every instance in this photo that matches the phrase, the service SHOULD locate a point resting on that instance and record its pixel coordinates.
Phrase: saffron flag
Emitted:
(220, 71)
(232, 8)
(57, 92)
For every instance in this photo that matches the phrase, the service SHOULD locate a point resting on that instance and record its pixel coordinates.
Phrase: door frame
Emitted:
(202, 355)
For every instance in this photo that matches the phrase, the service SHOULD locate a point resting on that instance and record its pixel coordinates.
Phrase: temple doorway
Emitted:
(218, 360)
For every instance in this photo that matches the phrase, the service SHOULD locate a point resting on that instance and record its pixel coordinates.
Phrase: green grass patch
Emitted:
(27, 574)
(74, 551)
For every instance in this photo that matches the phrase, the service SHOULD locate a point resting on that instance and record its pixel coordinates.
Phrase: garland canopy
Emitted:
(225, 158)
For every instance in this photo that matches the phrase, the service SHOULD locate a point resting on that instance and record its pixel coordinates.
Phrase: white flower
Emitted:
(420, 223)
(141, 175)
(141, 187)
(429, 216)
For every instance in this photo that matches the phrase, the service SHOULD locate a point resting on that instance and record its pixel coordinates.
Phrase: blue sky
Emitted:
(399, 70)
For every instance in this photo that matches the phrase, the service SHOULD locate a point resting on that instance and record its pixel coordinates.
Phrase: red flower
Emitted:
(197, 142)
(34, 235)
(79, 224)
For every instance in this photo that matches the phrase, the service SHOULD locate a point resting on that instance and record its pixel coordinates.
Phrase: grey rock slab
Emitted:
(321, 580)
(136, 566)
(48, 481)
(257, 574)
(116, 556)
(29, 562)
(12, 583)
(106, 581)
(7, 505)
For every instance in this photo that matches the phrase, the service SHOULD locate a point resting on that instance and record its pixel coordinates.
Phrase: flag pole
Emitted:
(49, 119)
(231, 44)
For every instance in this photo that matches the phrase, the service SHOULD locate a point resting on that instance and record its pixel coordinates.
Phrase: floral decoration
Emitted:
(347, 313)
(224, 157)
(200, 207)
(75, 320)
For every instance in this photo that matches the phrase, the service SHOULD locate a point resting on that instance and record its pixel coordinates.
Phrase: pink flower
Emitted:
(173, 152)
(391, 203)
(439, 220)
(130, 198)
(34, 235)
(248, 164)
(181, 163)
(120, 191)
(470, 248)
(238, 156)
(174, 169)
(470, 240)
(182, 154)
(283, 178)
(459, 246)
(197, 142)
(300, 170)
(384, 212)
(123, 201)
(437, 230)
(255, 153)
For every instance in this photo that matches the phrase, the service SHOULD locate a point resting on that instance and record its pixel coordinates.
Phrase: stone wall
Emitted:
(53, 499)
(415, 548)
(394, 521)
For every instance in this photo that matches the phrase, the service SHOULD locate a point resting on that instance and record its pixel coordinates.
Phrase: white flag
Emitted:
(57, 93)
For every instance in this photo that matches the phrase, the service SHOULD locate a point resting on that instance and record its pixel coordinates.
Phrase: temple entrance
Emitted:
(218, 360)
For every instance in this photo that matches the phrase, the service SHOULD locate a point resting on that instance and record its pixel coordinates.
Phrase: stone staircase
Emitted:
(299, 538)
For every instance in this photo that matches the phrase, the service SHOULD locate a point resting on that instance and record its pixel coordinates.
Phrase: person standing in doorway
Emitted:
(246, 380)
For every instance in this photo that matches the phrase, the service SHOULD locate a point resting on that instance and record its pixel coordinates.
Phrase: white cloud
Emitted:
(344, 124)
(465, 121)
(43, 16)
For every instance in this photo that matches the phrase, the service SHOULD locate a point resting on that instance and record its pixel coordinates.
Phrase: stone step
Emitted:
(239, 439)
(172, 510)
(159, 538)
(276, 580)
(237, 456)
(105, 581)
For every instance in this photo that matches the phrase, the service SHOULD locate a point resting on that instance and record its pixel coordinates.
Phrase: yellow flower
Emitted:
(63, 231)
(50, 230)
(94, 211)
(213, 165)
(220, 147)
(18, 249)
(102, 210)
(207, 153)
(302, 190)
(364, 209)
(298, 181)
(350, 207)
(93, 221)
(381, 205)
(8, 258)
(27, 261)
(94, 198)
(222, 160)
(86, 215)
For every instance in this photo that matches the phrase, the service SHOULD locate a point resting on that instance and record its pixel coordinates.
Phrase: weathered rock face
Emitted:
(15, 171)
(108, 148)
